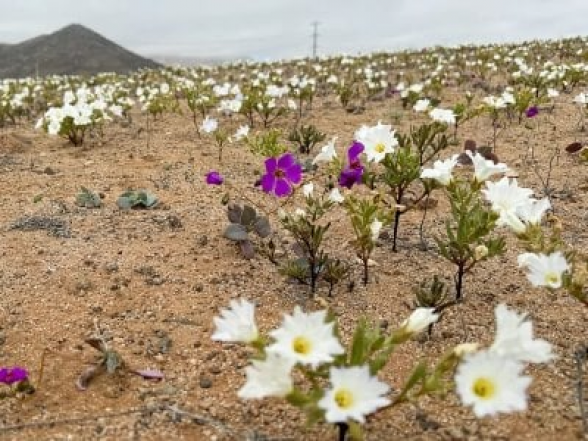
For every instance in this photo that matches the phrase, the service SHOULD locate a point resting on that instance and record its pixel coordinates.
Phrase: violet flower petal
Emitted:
(286, 161)
(268, 182)
(270, 165)
(294, 173)
(149, 374)
(282, 188)
(354, 151)
(214, 178)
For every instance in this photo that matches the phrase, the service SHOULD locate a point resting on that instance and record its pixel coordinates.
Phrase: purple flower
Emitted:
(280, 174)
(532, 112)
(353, 173)
(13, 375)
(214, 178)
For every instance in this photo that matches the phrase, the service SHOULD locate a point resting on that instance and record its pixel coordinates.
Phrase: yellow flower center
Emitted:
(551, 279)
(301, 345)
(484, 388)
(344, 398)
(380, 147)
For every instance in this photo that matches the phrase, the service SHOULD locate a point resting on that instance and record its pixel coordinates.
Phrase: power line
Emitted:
(314, 38)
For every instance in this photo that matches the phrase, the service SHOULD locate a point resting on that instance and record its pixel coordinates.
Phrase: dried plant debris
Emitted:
(54, 226)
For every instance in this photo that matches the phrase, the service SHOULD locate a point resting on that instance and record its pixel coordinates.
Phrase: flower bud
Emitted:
(480, 252)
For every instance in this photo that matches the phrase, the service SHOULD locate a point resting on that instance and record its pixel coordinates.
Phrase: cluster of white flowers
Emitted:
(514, 204)
(492, 380)
(309, 339)
(445, 116)
(80, 109)
(489, 380)
(442, 171)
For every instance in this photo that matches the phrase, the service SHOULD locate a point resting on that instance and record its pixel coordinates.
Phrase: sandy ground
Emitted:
(153, 280)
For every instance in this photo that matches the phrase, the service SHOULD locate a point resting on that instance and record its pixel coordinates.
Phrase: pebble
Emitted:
(205, 383)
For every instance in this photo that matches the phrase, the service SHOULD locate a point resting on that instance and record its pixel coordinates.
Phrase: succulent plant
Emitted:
(306, 137)
(88, 198)
(431, 294)
(244, 219)
(137, 199)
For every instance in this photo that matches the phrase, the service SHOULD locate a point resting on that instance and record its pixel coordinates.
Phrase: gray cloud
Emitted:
(282, 28)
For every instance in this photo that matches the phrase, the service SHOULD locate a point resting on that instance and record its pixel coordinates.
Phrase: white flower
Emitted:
(116, 110)
(508, 97)
(496, 103)
(506, 197)
(544, 270)
(581, 99)
(335, 196)
(241, 132)
(377, 141)
(528, 212)
(485, 168)
(514, 338)
(306, 338)
(419, 320)
(532, 212)
(464, 349)
(375, 228)
(299, 213)
(445, 116)
(268, 378)
(552, 93)
(491, 384)
(292, 104)
(209, 125)
(307, 189)
(327, 153)
(441, 171)
(354, 393)
(236, 324)
(422, 105)
(480, 252)
(54, 127)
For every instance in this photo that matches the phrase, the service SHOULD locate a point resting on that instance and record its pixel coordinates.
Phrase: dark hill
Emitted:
(73, 50)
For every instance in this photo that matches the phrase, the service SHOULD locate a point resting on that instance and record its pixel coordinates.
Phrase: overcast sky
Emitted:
(265, 29)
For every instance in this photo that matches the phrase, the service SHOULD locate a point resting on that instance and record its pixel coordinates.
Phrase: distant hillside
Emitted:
(73, 50)
(187, 61)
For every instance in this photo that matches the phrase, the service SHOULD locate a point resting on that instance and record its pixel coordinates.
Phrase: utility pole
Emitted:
(314, 38)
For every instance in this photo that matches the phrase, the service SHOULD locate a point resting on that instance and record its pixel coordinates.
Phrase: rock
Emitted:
(205, 383)
(111, 267)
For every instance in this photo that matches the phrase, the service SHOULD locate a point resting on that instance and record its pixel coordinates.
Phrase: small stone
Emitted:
(111, 267)
(205, 383)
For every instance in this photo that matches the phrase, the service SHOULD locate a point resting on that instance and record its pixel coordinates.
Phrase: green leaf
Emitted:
(418, 373)
(297, 398)
(380, 360)
(234, 213)
(112, 361)
(262, 226)
(236, 232)
(248, 216)
(355, 432)
(247, 249)
(358, 344)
